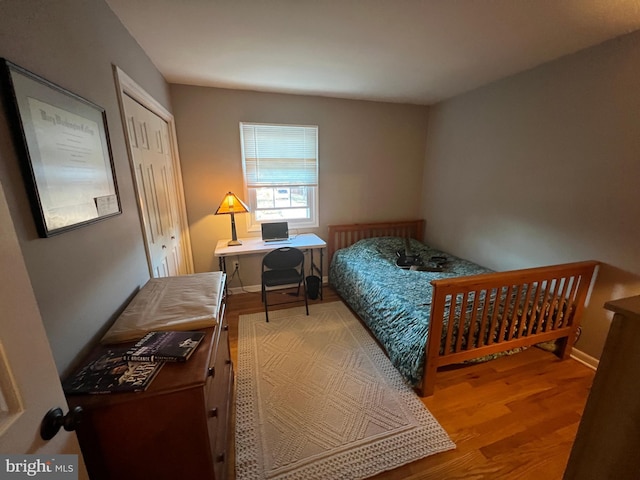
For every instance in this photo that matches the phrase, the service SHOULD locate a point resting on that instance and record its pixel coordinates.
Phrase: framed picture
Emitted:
(68, 164)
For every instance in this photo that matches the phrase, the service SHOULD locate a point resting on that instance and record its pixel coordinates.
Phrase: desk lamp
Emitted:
(232, 205)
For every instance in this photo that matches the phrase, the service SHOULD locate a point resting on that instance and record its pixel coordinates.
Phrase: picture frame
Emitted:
(64, 143)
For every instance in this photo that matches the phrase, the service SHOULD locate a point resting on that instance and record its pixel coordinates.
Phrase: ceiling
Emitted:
(406, 51)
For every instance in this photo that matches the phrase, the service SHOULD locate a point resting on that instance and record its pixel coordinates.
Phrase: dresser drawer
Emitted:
(219, 400)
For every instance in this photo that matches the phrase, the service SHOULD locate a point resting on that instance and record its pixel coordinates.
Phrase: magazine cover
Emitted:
(110, 373)
(170, 346)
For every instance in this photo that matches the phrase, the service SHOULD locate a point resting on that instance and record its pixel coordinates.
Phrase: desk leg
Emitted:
(222, 263)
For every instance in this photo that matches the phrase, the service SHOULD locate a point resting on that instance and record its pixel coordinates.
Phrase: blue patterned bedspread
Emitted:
(393, 302)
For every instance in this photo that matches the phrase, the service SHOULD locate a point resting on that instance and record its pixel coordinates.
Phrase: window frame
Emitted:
(250, 191)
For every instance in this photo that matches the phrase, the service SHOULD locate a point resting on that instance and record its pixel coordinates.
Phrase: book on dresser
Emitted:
(164, 346)
(110, 373)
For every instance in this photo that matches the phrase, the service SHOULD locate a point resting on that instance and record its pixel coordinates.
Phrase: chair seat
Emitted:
(274, 278)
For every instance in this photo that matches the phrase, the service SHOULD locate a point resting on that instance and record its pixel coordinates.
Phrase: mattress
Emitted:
(393, 302)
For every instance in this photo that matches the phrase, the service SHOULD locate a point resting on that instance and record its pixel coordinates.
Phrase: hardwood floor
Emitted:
(511, 418)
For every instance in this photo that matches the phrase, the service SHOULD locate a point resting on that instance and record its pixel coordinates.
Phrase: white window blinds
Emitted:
(279, 155)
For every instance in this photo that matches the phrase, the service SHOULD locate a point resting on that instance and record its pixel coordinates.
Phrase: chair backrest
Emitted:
(283, 258)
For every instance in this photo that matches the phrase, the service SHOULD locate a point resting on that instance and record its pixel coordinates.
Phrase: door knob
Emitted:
(54, 419)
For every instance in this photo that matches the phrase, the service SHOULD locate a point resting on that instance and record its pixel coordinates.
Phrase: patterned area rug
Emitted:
(318, 399)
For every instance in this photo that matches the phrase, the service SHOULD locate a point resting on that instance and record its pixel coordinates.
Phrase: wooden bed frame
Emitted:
(552, 299)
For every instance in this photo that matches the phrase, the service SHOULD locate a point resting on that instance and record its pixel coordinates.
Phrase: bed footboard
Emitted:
(484, 314)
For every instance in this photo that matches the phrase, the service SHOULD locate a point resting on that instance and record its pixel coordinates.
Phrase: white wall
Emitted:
(371, 156)
(81, 278)
(543, 167)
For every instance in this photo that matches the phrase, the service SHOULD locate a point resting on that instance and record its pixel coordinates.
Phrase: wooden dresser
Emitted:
(608, 438)
(177, 429)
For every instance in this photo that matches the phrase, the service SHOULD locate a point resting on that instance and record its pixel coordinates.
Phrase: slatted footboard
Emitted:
(484, 314)
(480, 315)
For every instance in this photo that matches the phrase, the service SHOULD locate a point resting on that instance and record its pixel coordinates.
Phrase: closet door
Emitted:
(156, 188)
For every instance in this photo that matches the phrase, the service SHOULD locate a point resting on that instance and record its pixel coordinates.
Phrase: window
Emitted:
(280, 165)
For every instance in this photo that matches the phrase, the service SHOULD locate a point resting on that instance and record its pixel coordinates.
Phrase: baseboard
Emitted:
(257, 288)
(247, 289)
(585, 359)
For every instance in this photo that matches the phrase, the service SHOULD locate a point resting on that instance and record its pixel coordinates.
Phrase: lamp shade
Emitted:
(231, 204)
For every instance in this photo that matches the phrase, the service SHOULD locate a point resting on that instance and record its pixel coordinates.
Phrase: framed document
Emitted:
(68, 164)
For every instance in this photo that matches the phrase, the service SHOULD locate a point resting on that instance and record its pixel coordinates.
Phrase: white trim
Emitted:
(585, 359)
(259, 158)
(247, 289)
(126, 85)
(256, 288)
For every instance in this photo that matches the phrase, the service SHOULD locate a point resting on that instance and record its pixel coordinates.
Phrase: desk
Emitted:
(255, 245)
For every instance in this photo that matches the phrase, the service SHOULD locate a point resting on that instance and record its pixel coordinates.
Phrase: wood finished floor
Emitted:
(511, 418)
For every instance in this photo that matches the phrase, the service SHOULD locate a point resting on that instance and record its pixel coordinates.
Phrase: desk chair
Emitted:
(281, 269)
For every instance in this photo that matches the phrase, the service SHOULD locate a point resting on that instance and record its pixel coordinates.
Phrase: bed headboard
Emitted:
(341, 236)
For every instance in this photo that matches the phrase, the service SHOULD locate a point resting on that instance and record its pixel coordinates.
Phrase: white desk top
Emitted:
(257, 245)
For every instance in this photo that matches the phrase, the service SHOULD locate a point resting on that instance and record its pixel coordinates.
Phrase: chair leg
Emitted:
(266, 306)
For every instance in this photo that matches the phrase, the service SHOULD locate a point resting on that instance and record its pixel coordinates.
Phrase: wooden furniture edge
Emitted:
(341, 236)
(451, 287)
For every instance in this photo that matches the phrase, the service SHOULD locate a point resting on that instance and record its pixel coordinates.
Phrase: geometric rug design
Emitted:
(318, 399)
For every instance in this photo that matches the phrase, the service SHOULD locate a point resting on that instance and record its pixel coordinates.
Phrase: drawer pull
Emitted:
(225, 327)
(220, 457)
(228, 361)
(213, 412)
(211, 372)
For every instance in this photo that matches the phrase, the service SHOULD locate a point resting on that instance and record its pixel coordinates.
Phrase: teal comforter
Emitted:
(394, 303)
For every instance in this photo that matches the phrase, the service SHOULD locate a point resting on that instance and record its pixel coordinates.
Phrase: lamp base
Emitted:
(234, 242)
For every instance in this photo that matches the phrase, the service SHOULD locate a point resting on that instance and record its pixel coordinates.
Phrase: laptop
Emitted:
(275, 232)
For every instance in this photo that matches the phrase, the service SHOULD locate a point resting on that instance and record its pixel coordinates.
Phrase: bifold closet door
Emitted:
(156, 189)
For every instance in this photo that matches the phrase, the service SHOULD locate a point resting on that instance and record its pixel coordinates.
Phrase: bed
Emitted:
(464, 313)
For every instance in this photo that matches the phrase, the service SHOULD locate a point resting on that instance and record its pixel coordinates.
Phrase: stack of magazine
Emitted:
(132, 368)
